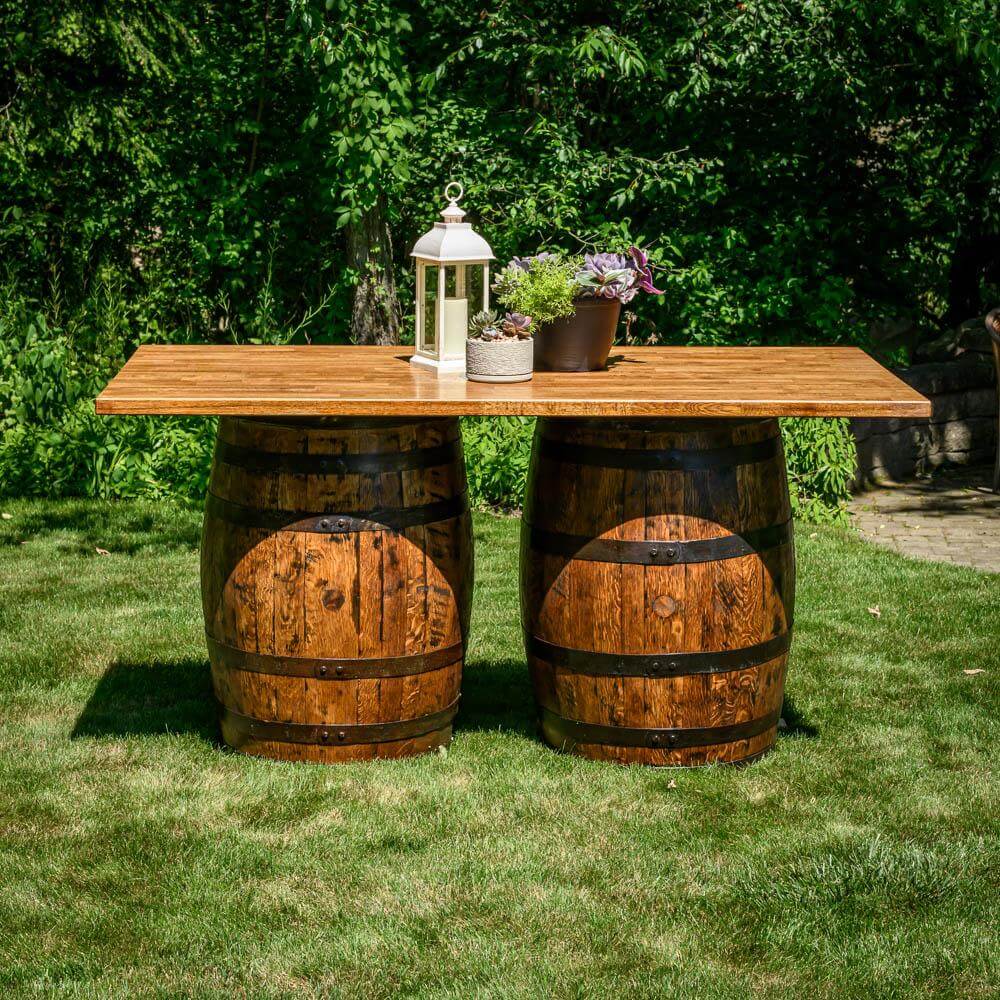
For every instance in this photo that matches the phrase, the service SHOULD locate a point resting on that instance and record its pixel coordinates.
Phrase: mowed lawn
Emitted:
(138, 858)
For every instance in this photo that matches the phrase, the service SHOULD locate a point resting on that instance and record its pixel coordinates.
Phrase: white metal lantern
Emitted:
(453, 284)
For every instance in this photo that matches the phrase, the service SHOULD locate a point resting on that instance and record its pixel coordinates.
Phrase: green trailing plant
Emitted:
(542, 287)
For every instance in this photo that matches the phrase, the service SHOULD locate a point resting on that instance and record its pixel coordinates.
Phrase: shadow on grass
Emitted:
(149, 699)
(795, 723)
(146, 699)
(121, 528)
(496, 694)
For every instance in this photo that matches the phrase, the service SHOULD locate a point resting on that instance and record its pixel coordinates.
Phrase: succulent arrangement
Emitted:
(488, 325)
(547, 285)
(499, 348)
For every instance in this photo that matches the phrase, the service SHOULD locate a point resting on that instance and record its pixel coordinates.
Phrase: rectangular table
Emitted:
(640, 382)
(657, 567)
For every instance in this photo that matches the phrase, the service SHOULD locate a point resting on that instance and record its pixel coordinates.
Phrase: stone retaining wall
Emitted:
(962, 429)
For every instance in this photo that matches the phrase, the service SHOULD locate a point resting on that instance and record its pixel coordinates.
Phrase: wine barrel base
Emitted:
(735, 754)
(336, 585)
(237, 738)
(657, 588)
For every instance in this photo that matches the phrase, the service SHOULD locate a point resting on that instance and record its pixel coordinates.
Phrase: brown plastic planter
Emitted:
(581, 342)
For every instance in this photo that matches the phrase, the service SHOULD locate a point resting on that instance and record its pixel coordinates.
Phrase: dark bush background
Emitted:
(818, 172)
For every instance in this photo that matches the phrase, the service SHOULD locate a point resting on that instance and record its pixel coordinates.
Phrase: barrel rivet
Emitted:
(653, 553)
(656, 667)
(655, 740)
(341, 523)
(673, 737)
(341, 735)
(324, 523)
(671, 553)
(322, 670)
(340, 669)
(325, 735)
(672, 665)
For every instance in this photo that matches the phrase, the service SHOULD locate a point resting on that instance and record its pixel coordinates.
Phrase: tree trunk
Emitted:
(375, 317)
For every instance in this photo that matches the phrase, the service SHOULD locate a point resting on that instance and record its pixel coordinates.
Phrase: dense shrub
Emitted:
(185, 171)
(821, 458)
(795, 179)
(52, 443)
(497, 450)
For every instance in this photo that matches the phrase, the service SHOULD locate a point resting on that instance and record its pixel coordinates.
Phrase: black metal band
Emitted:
(659, 460)
(572, 732)
(581, 661)
(659, 553)
(242, 728)
(336, 465)
(392, 518)
(333, 669)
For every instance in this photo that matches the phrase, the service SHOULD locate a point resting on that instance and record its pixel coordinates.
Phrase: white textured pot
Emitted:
(499, 360)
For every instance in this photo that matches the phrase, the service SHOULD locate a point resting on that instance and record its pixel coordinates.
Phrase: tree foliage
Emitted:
(798, 169)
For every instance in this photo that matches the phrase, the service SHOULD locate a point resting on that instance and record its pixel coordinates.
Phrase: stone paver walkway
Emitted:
(953, 517)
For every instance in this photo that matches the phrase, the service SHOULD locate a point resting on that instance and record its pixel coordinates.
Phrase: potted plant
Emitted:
(576, 303)
(499, 349)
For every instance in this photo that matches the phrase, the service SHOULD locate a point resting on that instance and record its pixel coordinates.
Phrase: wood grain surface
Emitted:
(640, 381)
(336, 584)
(665, 548)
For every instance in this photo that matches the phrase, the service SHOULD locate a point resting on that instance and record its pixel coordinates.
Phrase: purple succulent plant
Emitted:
(603, 263)
(640, 264)
(517, 325)
(606, 276)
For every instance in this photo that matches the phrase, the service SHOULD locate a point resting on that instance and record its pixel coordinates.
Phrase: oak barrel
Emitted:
(336, 582)
(657, 587)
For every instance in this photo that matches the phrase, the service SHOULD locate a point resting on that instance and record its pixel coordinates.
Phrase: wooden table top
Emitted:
(379, 381)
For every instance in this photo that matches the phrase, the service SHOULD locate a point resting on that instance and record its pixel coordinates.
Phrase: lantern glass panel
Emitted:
(474, 288)
(430, 317)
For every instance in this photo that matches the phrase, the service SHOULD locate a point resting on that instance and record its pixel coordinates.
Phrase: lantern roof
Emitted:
(452, 240)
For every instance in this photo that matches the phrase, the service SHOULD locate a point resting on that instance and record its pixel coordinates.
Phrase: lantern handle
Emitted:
(454, 199)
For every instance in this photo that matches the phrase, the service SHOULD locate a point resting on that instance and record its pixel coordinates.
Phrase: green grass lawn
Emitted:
(860, 859)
